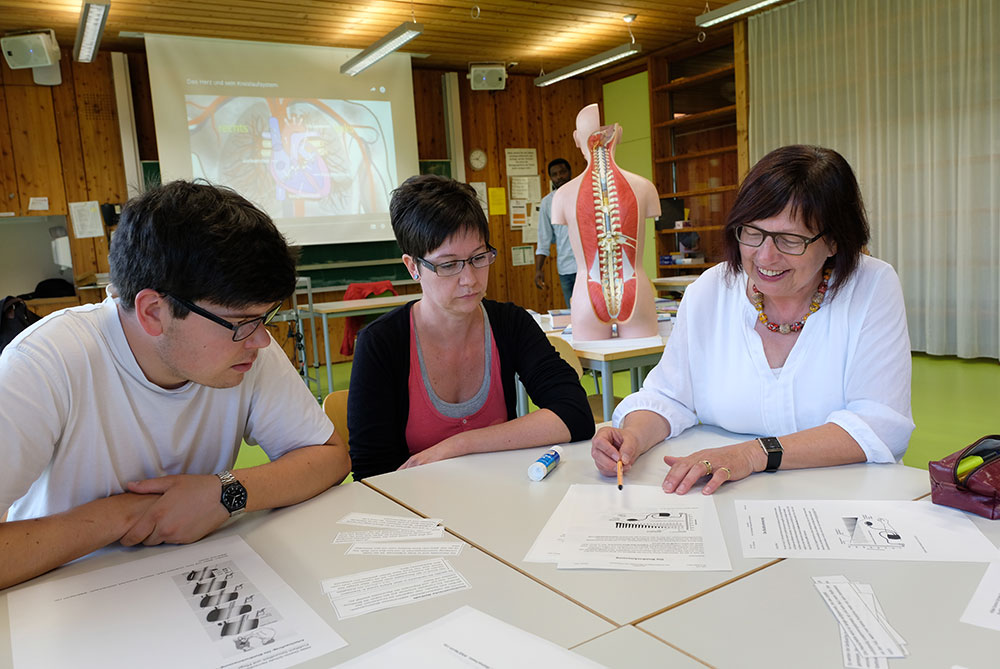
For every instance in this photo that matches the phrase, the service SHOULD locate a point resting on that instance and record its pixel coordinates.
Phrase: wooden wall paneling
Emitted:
(35, 146)
(100, 139)
(478, 132)
(432, 140)
(742, 78)
(142, 104)
(99, 133)
(10, 201)
(74, 175)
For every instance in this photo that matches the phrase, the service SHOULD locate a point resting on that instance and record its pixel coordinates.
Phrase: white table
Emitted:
(295, 542)
(631, 648)
(488, 500)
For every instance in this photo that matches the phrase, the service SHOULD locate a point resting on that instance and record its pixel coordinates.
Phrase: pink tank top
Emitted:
(426, 426)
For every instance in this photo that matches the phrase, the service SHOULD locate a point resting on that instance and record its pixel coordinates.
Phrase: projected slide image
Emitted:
(296, 157)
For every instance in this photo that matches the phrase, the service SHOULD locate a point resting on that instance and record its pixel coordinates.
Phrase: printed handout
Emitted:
(866, 637)
(860, 530)
(377, 520)
(377, 589)
(640, 527)
(211, 604)
(984, 607)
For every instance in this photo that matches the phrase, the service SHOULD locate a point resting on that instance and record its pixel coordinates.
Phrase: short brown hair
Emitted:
(427, 210)
(822, 190)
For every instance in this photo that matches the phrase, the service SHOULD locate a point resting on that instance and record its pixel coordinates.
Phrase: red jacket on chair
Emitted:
(353, 324)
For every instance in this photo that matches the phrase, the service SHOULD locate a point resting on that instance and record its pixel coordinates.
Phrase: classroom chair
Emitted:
(335, 406)
(566, 352)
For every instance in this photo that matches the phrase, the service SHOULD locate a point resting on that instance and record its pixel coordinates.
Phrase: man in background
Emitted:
(559, 174)
(122, 420)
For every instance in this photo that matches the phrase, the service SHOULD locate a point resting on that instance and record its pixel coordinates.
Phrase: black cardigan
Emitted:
(378, 405)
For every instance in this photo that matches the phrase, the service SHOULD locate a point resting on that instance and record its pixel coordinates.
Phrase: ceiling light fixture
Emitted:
(587, 64)
(731, 11)
(405, 32)
(93, 16)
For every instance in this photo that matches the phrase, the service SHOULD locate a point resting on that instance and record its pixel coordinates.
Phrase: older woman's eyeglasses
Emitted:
(788, 243)
(242, 330)
(454, 267)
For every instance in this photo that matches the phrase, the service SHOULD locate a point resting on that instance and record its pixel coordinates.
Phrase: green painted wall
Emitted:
(626, 102)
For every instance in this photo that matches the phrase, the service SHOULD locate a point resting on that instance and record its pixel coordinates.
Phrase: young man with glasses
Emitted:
(122, 420)
(434, 379)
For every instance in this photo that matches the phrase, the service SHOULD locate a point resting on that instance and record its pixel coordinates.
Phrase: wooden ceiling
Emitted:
(534, 34)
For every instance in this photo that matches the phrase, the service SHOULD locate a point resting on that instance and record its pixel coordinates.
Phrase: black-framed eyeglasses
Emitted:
(242, 330)
(454, 267)
(788, 243)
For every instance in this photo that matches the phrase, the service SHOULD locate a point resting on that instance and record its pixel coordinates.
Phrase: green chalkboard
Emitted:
(337, 265)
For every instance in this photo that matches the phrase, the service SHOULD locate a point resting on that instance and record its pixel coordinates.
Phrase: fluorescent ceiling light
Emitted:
(610, 56)
(382, 48)
(93, 16)
(730, 11)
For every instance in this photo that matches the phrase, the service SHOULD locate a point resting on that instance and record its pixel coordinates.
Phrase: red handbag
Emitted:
(974, 487)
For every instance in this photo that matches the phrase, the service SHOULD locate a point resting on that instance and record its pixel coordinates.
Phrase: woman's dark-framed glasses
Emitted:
(453, 267)
(788, 243)
(241, 330)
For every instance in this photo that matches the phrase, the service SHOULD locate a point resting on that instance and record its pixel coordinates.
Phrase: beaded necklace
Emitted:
(787, 328)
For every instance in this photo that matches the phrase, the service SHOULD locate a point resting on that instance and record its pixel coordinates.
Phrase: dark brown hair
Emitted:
(821, 188)
(427, 210)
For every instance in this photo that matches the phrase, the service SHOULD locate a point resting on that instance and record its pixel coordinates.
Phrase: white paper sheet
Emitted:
(416, 548)
(467, 638)
(389, 522)
(984, 607)
(368, 591)
(211, 604)
(388, 534)
(866, 637)
(639, 527)
(521, 162)
(860, 530)
(86, 218)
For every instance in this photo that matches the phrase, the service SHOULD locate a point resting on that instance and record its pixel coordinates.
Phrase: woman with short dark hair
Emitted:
(435, 379)
(798, 337)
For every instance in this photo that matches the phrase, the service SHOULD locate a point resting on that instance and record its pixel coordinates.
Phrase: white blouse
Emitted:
(850, 365)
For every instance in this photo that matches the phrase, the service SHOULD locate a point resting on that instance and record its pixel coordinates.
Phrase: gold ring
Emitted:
(708, 465)
(729, 473)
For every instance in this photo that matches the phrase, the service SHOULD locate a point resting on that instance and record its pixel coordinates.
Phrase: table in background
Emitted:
(488, 500)
(612, 355)
(296, 543)
(674, 283)
(345, 308)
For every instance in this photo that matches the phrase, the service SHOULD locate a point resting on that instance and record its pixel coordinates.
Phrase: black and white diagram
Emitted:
(871, 533)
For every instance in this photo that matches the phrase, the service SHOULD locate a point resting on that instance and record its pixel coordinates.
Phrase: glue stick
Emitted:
(545, 464)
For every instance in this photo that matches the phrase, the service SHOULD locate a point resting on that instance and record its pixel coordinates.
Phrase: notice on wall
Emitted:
(38, 204)
(526, 188)
(518, 214)
(522, 255)
(481, 195)
(498, 201)
(86, 218)
(521, 162)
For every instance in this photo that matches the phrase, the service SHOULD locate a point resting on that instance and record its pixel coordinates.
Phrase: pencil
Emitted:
(619, 474)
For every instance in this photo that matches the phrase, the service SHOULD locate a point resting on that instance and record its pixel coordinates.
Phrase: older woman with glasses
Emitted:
(798, 337)
(435, 379)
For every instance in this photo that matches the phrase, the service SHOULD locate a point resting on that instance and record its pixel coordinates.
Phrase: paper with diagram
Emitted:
(212, 604)
(639, 527)
(860, 530)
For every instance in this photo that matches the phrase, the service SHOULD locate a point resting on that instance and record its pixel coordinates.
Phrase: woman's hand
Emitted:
(611, 444)
(729, 463)
(449, 448)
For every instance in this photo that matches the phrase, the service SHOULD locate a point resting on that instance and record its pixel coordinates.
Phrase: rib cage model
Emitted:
(608, 223)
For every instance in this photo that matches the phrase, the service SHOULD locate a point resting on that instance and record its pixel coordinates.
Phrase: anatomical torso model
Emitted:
(606, 208)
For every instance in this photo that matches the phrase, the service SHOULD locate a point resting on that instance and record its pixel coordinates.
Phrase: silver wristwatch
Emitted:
(234, 495)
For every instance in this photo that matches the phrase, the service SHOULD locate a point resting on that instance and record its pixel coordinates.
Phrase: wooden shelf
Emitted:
(695, 265)
(685, 82)
(696, 154)
(729, 110)
(693, 228)
(700, 191)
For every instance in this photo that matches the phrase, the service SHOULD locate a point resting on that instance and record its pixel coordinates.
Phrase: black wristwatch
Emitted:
(773, 448)
(234, 495)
